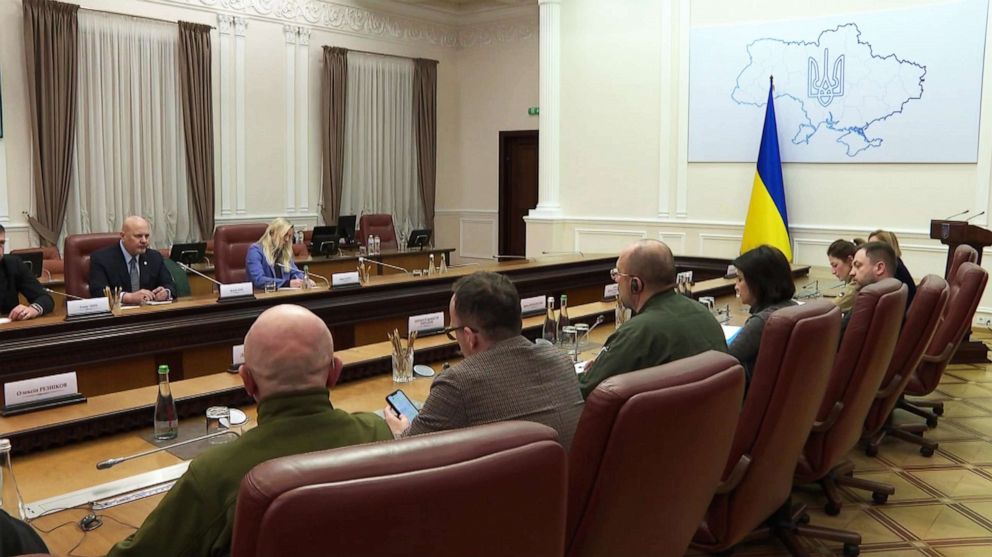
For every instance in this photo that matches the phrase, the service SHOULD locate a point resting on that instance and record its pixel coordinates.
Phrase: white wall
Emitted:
(624, 170)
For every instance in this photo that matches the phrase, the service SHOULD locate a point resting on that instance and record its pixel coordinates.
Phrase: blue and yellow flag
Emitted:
(767, 219)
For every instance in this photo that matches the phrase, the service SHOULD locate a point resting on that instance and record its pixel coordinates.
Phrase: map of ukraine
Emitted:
(837, 82)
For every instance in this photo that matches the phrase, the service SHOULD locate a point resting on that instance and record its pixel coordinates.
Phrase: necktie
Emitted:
(135, 277)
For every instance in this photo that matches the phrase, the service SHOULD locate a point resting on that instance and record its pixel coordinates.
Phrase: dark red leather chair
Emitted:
(967, 286)
(78, 248)
(921, 323)
(492, 490)
(962, 253)
(648, 454)
(380, 225)
(231, 243)
(790, 375)
(861, 363)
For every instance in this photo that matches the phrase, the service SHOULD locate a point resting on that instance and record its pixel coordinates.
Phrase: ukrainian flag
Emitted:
(767, 219)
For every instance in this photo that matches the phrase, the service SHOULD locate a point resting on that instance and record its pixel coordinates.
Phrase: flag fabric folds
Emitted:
(767, 218)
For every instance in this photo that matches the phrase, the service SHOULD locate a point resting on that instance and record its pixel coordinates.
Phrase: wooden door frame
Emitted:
(504, 137)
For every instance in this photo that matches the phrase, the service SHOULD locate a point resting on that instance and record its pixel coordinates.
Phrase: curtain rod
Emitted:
(133, 15)
(389, 55)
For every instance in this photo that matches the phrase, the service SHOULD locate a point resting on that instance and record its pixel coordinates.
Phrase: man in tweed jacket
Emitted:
(504, 376)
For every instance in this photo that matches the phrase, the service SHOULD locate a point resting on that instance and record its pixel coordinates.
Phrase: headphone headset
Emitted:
(635, 285)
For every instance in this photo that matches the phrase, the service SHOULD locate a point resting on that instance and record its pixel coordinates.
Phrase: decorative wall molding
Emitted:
(4, 203)
(674, 240)
(615, 235)
(682, 149)
(290, 33)
(493, 243)
(499, 32)
(234, 188)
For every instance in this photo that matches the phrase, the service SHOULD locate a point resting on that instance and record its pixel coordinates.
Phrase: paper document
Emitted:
(729, 332)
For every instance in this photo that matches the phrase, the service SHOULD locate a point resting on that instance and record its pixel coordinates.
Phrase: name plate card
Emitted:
(91, 306)
(345, 279)
(236, 290)
(611, 291)
(428, 322)
(238, 354)
(40, 388)
(532, 306)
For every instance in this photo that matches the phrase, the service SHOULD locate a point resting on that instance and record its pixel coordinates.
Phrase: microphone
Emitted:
(599, 321)
(307, 273)
(111, 462)
(187, 268)
(974, 216)
(364, 260)
(508, 257)
(965, 212)
(579, 253)
(64, 295)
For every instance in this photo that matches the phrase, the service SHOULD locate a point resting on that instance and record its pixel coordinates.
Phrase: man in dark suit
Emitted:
(16, 278)
(140, 272)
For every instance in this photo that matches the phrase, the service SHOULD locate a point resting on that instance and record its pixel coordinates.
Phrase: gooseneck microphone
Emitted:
(307, 273)
(579, 253)
(965, 212)
(380, 263)
(64, 295)
(501, 257)
(187, 268)
(111, 462)
(974, 216)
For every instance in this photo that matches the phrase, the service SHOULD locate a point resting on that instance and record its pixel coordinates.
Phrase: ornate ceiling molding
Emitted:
(499, 32)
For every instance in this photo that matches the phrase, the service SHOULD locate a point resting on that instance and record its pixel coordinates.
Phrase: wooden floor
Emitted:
(943, 504)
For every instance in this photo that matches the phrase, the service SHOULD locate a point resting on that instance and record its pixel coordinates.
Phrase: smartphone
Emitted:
(401, 404)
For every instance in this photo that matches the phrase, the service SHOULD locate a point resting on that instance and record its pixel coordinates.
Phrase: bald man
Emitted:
(129, 265)
(289, 368)
(666, 326)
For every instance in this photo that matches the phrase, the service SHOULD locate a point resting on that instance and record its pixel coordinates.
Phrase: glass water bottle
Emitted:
(550, 332)
(166, 418)
(10, 496)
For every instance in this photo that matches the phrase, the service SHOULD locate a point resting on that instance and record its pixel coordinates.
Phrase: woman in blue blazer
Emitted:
(270, 259)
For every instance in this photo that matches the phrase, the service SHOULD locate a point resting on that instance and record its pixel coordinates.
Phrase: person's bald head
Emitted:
(288, 349)
(651, 261)
(135, 234)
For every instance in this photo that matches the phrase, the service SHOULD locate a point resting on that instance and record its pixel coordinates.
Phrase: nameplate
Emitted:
(238, 354)
(611, 291)
(39, 389)
(345, 279)
(91, 306)
(426, 323)
(236, 290)
(532, 306)
(731, 272)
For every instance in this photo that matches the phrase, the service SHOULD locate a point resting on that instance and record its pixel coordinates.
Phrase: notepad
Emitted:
(730, 332)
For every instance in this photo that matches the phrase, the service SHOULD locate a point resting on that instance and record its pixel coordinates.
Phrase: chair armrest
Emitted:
(942, 357)
(736, 475)
(831, 418)
(890, 388)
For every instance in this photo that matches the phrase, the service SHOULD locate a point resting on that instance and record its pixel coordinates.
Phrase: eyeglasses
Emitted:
(450, 331)
(615, 274)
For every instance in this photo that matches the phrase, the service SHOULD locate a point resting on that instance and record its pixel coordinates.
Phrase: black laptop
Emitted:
(33, 259)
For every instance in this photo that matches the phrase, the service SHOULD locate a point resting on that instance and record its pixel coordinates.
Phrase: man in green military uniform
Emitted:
(666, 326)
(289, 367)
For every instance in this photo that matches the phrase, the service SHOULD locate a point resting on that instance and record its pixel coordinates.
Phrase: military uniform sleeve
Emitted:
(28, 285)
(443, 410)
(623, 352)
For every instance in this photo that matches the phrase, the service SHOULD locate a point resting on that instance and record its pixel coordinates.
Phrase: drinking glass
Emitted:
(270, 287)
(403, 367)
(217, 419)
(581, 336)
(569, 342)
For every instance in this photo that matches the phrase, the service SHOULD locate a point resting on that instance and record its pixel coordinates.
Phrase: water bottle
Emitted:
(370, 246)
(10, 496)
(430, 265)
(166, 417)
(563, 320)
(550, 332)
(306, 277)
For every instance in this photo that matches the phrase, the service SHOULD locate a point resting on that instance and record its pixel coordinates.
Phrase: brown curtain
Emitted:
(425, 132)
(198, 120)
(50, 52)
(335, 79)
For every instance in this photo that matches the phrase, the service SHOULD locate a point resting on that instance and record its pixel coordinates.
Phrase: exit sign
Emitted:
(533, 111)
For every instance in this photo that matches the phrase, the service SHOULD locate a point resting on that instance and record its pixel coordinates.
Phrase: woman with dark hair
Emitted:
(841, 257)
(764, 282)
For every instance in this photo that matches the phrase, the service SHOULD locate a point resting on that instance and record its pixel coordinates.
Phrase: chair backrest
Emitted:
(921, 323)
(962, 253)
(491, 490)
(788, 381)
(648, 451)
(967, 288)
(863, 358)
(380, 225)
(78, 248)
(231, 243)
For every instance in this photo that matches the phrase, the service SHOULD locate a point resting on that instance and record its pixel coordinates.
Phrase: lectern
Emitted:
(953, 233)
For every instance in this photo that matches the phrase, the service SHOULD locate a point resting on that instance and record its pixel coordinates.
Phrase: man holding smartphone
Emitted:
(504, 376)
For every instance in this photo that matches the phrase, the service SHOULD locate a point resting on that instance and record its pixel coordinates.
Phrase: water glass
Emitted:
(403, 367)
(270, 287)
(218, 418)
(581, 335)
(569, 342)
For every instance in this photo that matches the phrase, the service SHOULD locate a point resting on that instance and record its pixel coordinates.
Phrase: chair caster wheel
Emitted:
(880, 498)
(833, 509)
(931, 422)
(926, 451)
(871, 450)
(851, 550)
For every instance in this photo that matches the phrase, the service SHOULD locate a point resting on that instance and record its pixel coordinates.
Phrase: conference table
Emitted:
(114, 421)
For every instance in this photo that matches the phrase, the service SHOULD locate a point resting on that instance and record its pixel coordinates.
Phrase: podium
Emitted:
(953, 233)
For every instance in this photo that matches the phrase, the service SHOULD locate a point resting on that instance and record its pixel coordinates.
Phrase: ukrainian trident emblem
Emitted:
(827, 85)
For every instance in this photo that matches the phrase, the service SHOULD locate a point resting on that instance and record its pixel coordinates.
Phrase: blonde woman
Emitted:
(902, 273)
(270, 259)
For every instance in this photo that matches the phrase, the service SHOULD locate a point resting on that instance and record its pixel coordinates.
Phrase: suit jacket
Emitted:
(16, 278)
(514, 380)
(108, 268)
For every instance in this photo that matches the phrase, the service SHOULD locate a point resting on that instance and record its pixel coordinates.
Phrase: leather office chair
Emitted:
(78, 248)
(861, 363)
(788, 381)
(967, 286)
(962, 253)
(486, 491)
(649, 451)
(231, 243)
(380, 225)
(51, 260)
(921, 323)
